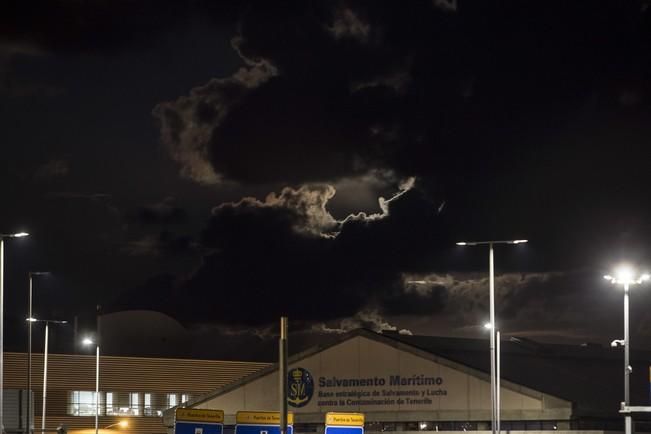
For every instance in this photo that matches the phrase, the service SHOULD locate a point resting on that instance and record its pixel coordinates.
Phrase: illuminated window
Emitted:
(82, 403)
(147, 405)
(110, 409)
(172, 400)
(185, 397)
(134, 404)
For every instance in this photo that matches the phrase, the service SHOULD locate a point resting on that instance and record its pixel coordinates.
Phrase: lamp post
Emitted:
(282, 373)
(489, 326)
(498, 396)
(45, 354)
(2, 318)
(491, 279)
(89, 341)
(30, 320)
(625, 276)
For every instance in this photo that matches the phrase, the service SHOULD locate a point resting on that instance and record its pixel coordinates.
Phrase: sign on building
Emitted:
(198, 421)
(261, 422)
(344, 423)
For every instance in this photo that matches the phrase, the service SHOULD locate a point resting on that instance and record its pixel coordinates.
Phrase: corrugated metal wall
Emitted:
(15, 408)
(68, 373)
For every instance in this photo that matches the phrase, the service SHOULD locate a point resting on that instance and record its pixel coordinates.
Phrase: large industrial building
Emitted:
(136, 389)
(419, 383)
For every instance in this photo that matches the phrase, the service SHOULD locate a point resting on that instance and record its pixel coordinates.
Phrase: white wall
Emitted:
(462, 394)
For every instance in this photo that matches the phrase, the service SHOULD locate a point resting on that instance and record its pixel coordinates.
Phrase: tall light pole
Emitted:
(491, 279)
(45, 354)
(2, 319)
(89, 341)
(498, 397)
(282, 373)
(498, 405)
(625, 276)
(30, 320)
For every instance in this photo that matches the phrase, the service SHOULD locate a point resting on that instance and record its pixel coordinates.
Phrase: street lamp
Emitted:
(45, 353)
(30, 320)
(89, 341)
(626, 276)
(491, 279)
(2, 318)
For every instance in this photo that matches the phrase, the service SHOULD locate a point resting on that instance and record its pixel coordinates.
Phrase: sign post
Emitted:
(344, 423)
(198, 421)
(261, 422)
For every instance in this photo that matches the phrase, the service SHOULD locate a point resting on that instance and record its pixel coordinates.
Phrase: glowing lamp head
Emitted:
(123, 424)
(31, 319)
(624, 274)
(462, 243)
(488, 326)
(21, 235)
(87, 341)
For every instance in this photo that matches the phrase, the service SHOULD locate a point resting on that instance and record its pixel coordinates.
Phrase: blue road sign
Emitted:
(186, 427)
(261, 429)
(344, 430)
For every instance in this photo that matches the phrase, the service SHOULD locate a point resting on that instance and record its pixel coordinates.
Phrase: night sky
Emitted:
(224, 165)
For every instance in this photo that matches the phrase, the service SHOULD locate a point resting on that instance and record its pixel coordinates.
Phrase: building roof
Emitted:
(588, 375)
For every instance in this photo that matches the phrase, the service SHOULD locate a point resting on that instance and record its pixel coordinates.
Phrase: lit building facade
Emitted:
(419, 383)
(137, 389)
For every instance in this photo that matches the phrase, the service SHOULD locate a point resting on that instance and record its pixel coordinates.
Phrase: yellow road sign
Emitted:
(344, 419)
(261, 418)
(199, 415)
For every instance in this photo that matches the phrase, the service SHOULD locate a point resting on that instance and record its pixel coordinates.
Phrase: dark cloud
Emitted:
(577, 305)
(189, 122)
(368, 319)
(165, 212)
(329, 98)
(490, 105)
(287, 254)
(346, 24)
(402, 302)
(163, 243)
